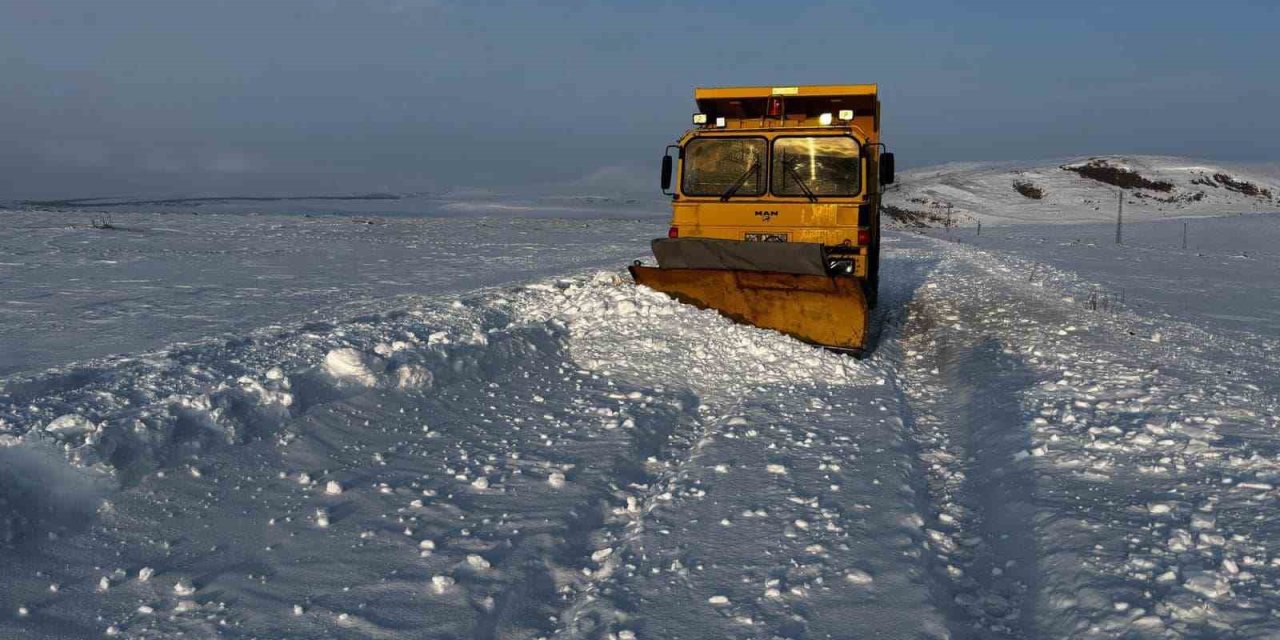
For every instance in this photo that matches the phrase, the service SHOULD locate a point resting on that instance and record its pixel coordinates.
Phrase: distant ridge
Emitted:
(115, 202)
(1084, 189)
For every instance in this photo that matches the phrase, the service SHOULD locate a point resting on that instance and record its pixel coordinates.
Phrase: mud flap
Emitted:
(818, 309)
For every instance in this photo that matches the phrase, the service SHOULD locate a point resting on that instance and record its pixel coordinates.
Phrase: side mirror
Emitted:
(886, 168)
(666, 173)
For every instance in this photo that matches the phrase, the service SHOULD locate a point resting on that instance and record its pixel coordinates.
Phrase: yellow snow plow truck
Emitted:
(776, 210)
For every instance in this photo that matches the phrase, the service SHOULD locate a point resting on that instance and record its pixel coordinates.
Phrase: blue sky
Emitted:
(178, 96)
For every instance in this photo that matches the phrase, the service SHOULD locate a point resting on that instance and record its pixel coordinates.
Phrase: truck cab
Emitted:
(784, 164)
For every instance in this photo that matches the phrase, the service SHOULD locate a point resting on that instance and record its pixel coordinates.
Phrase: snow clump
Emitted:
(351, 366)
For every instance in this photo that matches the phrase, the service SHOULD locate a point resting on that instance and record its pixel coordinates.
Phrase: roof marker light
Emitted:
(699, 118)
(846, 114)
(824, 119)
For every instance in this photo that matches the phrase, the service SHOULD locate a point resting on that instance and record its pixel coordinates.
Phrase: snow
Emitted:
(350, 365)
(535, 447)
(72, 293)
(70, 427)
(984, 192)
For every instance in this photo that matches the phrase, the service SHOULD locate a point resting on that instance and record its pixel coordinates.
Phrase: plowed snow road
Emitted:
(579, 458)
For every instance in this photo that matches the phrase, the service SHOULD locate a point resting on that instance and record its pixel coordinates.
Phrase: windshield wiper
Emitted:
(795, 175)
(737, 184)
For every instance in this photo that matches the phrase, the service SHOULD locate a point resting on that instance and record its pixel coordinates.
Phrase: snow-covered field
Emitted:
(71, 292)
(1055, 437)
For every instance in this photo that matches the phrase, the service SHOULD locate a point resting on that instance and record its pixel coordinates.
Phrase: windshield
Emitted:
(715, 166)
(816, 166)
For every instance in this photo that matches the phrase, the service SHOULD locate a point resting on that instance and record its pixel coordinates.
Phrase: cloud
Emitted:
(74, 153)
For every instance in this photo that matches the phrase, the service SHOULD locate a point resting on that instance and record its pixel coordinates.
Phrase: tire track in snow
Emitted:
(963, 393)
(592, 614)
(1135, 449)
(796, 516)
(980, 558)
(643, 338)
(592, 452)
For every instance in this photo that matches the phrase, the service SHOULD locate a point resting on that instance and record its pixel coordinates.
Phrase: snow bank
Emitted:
(641, 335)
(145, 414)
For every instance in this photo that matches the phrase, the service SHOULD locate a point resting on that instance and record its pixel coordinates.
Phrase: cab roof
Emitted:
(813, 90)
(793, 106)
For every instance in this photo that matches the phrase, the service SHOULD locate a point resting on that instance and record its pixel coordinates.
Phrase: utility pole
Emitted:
(1120, 217)
(1184, 236)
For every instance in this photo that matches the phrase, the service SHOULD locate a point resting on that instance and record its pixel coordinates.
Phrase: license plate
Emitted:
(766, 237)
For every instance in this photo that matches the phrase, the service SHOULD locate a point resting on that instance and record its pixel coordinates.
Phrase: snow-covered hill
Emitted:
(1080, 190)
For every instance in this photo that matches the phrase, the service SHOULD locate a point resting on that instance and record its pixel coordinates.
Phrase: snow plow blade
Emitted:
(818, 309)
